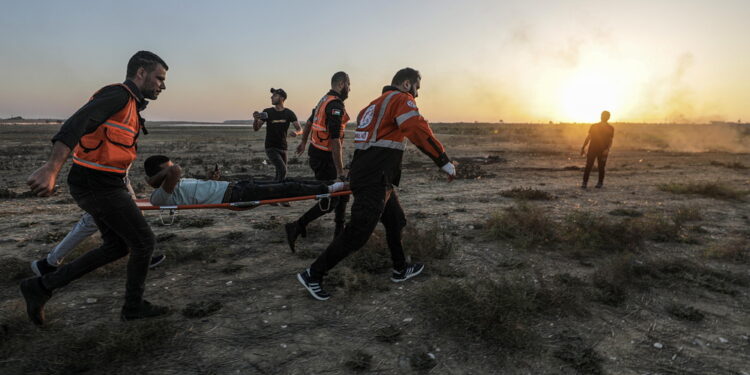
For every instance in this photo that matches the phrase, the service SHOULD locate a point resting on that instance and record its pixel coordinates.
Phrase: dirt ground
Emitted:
(238, 308)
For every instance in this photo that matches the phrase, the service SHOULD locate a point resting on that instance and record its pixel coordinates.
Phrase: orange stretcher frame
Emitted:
(145, 204)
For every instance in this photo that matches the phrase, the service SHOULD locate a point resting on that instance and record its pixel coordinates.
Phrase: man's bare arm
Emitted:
(166, 179)
(42, 181)
(338, 157)
(586, 142)
(303, 140)
(298, 130)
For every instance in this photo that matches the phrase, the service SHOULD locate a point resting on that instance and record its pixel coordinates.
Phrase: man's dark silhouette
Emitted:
(600, 135)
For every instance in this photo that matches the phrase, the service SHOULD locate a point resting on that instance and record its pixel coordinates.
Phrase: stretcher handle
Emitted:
(172, 215)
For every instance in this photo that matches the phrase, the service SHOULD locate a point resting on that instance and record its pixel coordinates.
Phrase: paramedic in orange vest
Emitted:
(102, 137)
(379, 142)
(325, 129)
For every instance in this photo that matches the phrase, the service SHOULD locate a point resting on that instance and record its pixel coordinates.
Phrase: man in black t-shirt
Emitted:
(277, 120)
(600, 138)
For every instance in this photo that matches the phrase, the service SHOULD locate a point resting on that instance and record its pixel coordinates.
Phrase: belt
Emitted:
(228, 193)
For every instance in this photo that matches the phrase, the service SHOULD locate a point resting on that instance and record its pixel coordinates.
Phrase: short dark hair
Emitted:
(406, 74)
(339, 77)
(152, 165)
(145, 59)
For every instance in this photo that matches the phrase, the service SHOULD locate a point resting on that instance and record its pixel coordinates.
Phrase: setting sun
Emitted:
(586, 94)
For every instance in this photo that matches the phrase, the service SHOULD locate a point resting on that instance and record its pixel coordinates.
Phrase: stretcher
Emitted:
(171, 211)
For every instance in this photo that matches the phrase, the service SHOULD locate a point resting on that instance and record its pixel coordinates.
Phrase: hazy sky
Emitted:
(534, 60)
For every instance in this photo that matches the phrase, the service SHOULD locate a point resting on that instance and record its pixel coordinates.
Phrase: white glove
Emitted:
(449, 168)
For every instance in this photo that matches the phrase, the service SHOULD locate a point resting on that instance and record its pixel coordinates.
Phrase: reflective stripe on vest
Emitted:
(364, 145)
(98, 166)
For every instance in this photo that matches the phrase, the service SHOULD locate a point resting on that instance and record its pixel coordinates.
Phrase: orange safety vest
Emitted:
(378, 124)
(112, 146)
(319, 136)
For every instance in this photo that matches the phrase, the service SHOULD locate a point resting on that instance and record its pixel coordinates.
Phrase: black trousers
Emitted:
(122, 227)
(277, 157)
(252, 190)
(601, 163)
(325, 170)
(372, 203)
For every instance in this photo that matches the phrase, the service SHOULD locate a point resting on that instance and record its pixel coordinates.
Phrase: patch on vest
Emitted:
(336, 112)
(367, 117)
(411, 104)
(360, 136)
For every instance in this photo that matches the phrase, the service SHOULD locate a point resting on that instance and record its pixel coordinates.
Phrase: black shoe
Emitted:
(599, 185)
(583, 186)
(157, 260)
(312, 286)
(407, 273)
(293, 230)
(36, 296)
(41, 267)
(144, 310)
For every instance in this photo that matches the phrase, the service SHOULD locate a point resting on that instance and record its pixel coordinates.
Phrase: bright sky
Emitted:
(539, 61)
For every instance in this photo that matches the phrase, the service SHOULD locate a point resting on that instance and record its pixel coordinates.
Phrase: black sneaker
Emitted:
(36, 296)
(312, 286)
(293, 230)
(598, 186)
(583, 186)
(145, 310)
(407, 273)
(41, 267)
(157, 260)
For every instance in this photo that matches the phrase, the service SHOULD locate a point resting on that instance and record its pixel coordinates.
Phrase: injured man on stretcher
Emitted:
(171, 189)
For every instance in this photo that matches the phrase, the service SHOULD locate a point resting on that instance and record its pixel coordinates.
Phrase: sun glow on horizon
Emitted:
(601, 84)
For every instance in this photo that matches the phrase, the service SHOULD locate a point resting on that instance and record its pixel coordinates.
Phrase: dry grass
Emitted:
(614, 280)
(717, 190)
(684, 312)
(104, 346)
(352, 280)
(428, 243)
(686, 214)
(733, 250)
(627, 212)
(13, 269)
(195, 222)
(502, 313)
(523, 225)
(529, 194)
(732, 165)
(583, 232)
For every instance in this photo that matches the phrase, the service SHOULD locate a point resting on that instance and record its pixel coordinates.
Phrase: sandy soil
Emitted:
(267, 324)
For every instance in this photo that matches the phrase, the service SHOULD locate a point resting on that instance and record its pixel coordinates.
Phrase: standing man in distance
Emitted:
(277, 120)
(325, 127)
(102, 137)
(600, 135)
(379, 144)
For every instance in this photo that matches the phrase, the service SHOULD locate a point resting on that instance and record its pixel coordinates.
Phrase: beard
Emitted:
(150, 94)
(344, 94)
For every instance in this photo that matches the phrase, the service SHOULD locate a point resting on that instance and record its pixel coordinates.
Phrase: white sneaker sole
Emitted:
(302, 281)
(153, 265)
(407, 277)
